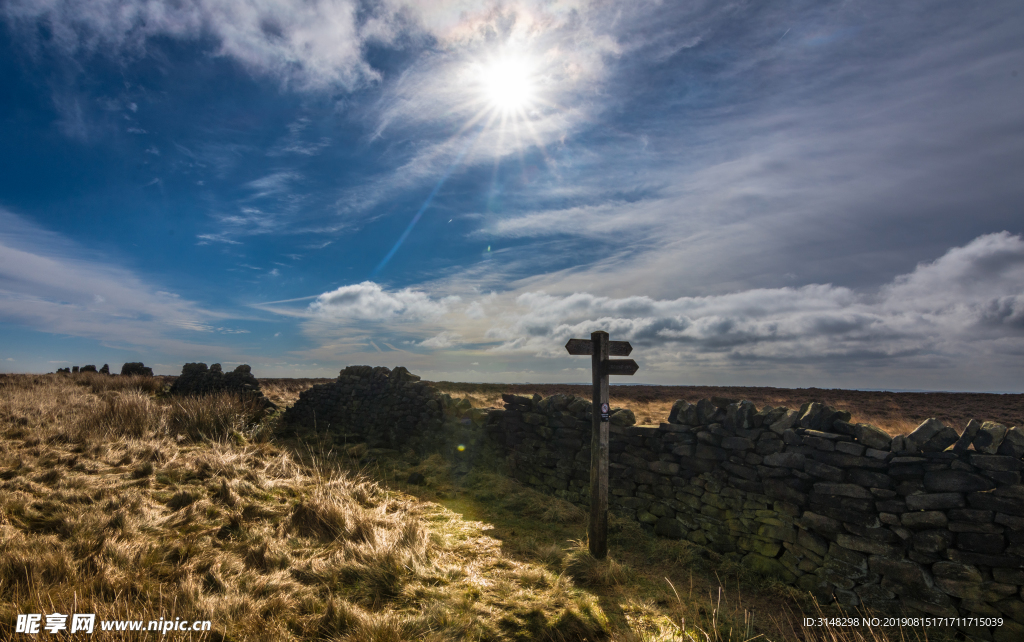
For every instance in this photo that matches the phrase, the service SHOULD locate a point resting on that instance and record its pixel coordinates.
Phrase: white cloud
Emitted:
(475, 310)
(441, 341)
(968, 302)
(368, 301)
(272, 184)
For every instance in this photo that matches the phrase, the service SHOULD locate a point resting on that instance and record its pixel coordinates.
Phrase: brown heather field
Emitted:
(120, 501)
(896, 412)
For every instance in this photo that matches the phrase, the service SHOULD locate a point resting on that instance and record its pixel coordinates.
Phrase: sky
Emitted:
(777, 193)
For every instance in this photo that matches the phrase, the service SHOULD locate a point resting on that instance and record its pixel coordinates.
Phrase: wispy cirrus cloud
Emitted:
(45, 285)
(307, 45)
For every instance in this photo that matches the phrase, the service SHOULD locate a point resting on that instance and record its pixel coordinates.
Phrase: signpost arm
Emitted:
(598, 529)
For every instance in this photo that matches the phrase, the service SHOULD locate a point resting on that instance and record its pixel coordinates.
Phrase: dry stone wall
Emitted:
(929, 523)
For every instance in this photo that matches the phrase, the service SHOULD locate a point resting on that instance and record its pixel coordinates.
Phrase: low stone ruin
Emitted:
(196, 379)
(385, 408)
(136, 368)
(379, 406)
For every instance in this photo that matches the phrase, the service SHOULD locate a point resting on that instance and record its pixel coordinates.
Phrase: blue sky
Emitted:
(752, 193)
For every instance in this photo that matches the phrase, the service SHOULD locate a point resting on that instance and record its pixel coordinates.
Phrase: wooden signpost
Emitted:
(600, 348)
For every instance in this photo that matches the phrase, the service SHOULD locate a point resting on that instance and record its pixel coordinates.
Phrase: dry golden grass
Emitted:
(133, 507)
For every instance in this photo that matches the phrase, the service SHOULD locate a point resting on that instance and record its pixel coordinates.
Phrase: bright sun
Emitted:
(508, 84)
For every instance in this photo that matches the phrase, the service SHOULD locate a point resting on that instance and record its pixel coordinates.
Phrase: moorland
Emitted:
(118, 500)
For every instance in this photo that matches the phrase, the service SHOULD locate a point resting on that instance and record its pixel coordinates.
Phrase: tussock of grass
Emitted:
(124, 413)
(213, 417)
(587, 570)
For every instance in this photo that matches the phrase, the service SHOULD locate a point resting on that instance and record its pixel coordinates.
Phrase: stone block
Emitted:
(670, 527)
(1002, 477)
(706, 412)
(823, 471)
(935, 501)
(924, 519)
(850, 448)
(970, 515)
(1013, 609)
(677, 414)
(1008, 576)
(931, 436)
(1010, 631)
(991, 500)
(706, 451)
(989, 438)
(820, 523)
(985, 543)
(902, 572)
(869, 478)
(737, 443)
(663, 467)
(786, 460)
(768, 566)
(973, 527)
(996, 462)
(878, 533)
(1014, 522)
(959, 572)
(869, 546)
(787, 422)
(778, 489)
(739, 416)
(928, 607)
(843, 490)
(844, 460)
(932, 541)
(785, 533)
(955, 481)
(814, 543)
(1013, 443)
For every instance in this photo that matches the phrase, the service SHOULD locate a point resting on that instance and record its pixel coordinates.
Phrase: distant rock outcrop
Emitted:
(197, 379)
(89, 368)
(105, 369)
(136, 368)
(74, 369)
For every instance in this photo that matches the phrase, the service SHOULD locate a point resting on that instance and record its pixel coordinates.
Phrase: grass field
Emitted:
(119, 501)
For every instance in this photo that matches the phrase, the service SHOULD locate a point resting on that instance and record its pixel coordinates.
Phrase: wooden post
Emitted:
(599, 347)
(598, 530)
